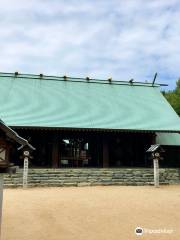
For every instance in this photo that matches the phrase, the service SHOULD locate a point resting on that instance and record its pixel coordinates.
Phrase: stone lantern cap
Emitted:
(155, 148)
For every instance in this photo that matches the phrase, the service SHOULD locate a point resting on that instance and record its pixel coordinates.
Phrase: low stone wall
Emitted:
(92, 177)
(170, 175)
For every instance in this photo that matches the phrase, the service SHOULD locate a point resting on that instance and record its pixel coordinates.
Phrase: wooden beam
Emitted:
(55, 152)
(105, 153)
(154, 79)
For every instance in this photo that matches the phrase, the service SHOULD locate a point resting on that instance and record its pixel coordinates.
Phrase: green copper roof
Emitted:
(169, 139)
(34, 101)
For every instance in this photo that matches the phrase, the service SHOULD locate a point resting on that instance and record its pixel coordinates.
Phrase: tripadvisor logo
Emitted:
(139, 231)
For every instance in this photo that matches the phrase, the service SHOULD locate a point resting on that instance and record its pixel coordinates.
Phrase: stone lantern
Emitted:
(156, 154)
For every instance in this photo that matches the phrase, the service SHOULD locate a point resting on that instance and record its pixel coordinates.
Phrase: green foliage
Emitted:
(173, 97)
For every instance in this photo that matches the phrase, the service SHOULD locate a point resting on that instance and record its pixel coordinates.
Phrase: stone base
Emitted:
(92, 177)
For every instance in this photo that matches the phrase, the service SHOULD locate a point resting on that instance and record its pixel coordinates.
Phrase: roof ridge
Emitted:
(109, 81)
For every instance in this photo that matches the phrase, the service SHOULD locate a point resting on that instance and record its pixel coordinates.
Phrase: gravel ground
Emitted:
(91, 213)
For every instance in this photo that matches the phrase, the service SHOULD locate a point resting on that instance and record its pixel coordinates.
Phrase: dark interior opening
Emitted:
(65, 148)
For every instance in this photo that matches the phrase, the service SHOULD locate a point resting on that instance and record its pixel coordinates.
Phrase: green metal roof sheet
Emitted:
(169, 139)
(28, 100)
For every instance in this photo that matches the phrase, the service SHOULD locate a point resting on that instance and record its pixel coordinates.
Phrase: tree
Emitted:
(173, 97)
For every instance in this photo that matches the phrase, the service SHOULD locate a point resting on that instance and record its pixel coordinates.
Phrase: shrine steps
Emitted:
(91, 177)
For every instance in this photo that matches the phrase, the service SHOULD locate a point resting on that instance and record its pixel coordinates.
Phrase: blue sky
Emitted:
(122, 39)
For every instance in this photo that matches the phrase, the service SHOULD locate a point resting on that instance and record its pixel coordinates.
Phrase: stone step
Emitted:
(91, 177)
(74, 184)
(86, 174)
(81, 177)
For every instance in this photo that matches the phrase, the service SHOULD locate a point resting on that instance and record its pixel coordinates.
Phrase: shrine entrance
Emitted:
(82, 149)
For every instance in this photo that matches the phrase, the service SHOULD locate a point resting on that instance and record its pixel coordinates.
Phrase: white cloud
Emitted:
(122, 39)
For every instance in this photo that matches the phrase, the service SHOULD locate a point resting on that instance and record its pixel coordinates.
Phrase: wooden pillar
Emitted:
(1, 199)
(105, 153)
(153, 139)
(55, 152)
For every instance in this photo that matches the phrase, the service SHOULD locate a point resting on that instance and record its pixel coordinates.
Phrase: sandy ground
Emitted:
(89, 213)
